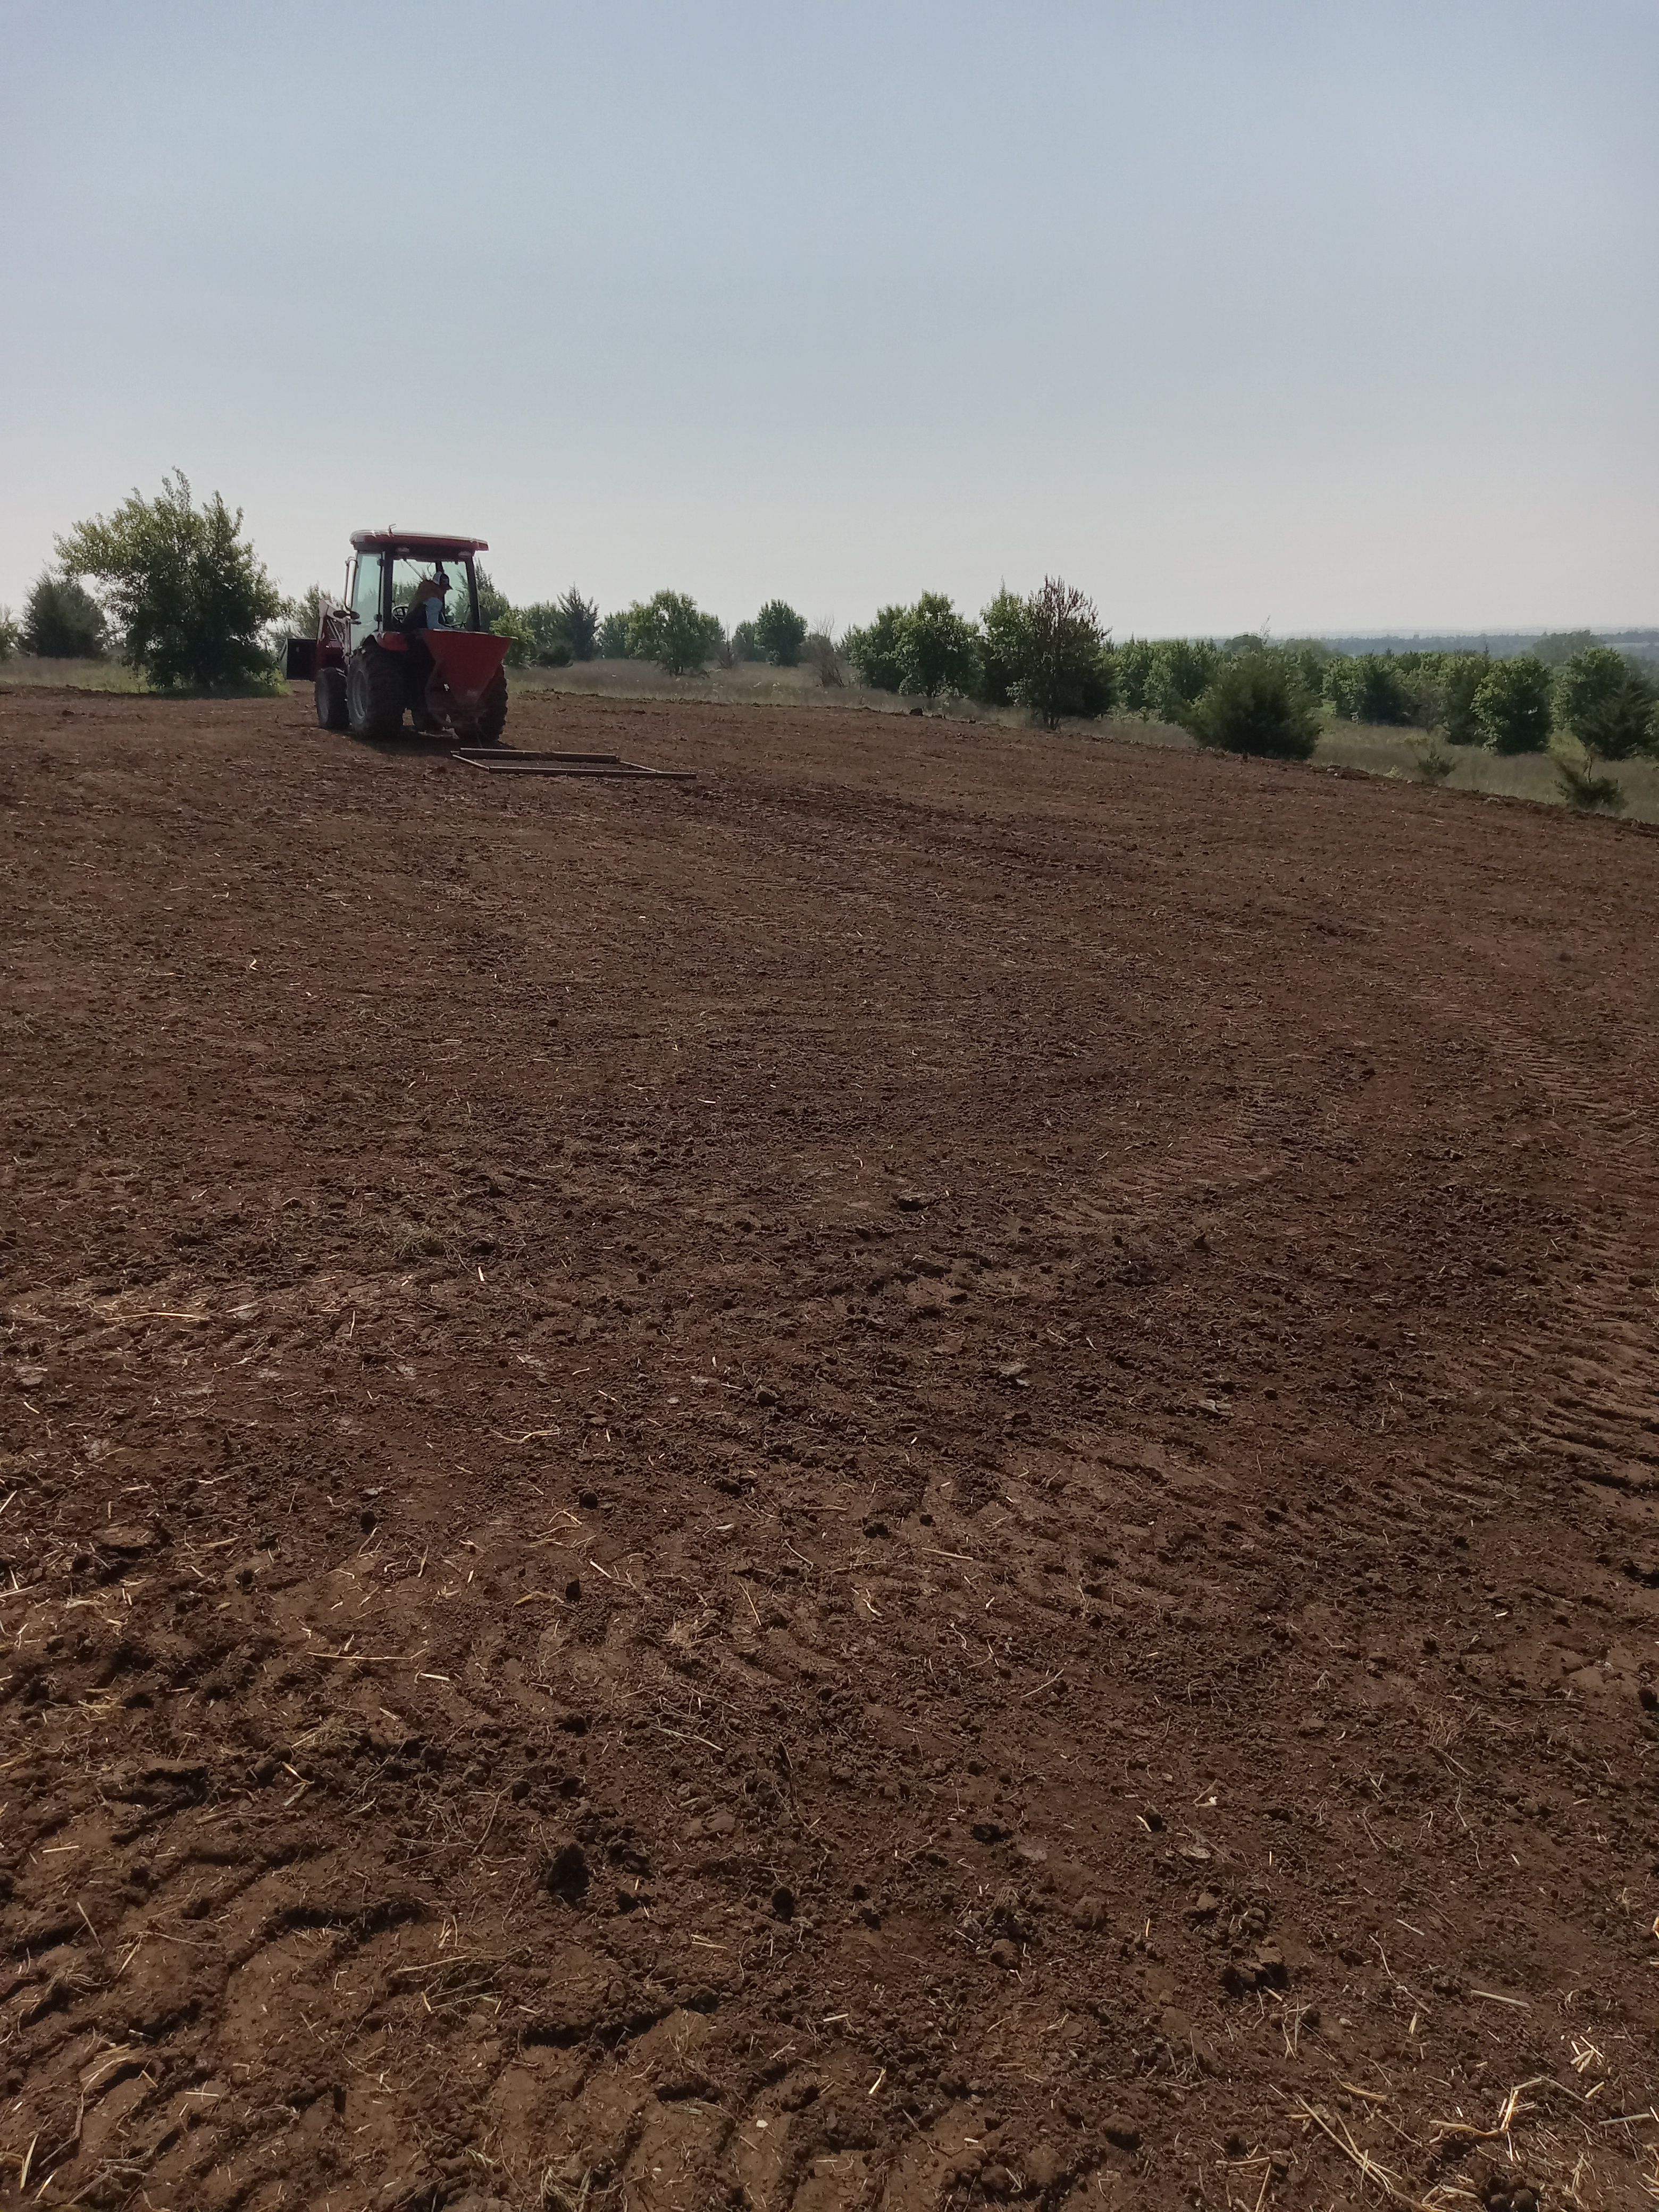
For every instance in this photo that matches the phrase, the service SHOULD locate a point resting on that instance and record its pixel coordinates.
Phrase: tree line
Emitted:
(178, 590)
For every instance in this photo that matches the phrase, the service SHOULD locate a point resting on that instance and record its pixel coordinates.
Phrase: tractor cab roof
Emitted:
(424, 544)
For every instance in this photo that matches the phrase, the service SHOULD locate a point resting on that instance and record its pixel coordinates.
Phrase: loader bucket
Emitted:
(464, 661)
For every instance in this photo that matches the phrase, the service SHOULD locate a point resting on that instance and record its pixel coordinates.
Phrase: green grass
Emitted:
(72, 675)
(1507, 775)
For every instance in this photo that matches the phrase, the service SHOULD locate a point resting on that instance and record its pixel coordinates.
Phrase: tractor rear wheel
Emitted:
(486, 725)
(375, 692)
(330, 689)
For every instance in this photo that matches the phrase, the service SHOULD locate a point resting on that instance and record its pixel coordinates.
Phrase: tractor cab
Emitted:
(407, 637)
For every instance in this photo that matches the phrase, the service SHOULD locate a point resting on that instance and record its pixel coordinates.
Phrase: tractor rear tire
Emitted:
(330, 689)
(486, 725)
(375, 692)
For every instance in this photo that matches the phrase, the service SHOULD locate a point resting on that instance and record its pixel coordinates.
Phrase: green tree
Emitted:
(304, 615)
(1135, 659)
(581, 618)
(9, 634)
(1514, 707)
(939, 651)
(875, 651)
(1256, 704)
(744, 644)
(778, 634)
(1368, 687)
(672, 630)
(613, 637)
(1556, 648)
(521, 639)
(1066, 669)
(1462, 675)
(1182, 669)
(187, 593)
(1606, 702)
(1004, 647)
(62, 621)
(493, 602)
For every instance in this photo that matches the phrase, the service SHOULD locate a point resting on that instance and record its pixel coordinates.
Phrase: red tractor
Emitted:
(408, 637)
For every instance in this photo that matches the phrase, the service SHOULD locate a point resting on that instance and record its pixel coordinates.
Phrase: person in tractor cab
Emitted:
(426, 613)
(430, 595)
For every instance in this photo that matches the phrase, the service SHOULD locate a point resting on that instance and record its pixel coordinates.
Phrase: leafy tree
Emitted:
(581, 618)
(1135, 659)
(1462, 675)
(62, 621)
(1256, 705)
(1513, 709)
(875, 651)
(493, 602)
(1182, 669)
(9, 634)
(779, 632)
(550, 634)
(188, 593)
(305, 614)
(613, 638)
(1608, 703)
(938, 649)
(743, 643)
(672, 630)
(1556, 648)
(1368, 687)
(521, 639)
(1004, 647)
(1065, 669)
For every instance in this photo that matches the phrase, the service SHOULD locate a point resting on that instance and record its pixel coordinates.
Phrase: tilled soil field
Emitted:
(920, 1476)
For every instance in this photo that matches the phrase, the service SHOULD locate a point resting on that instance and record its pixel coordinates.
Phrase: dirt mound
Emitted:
(923, 1475)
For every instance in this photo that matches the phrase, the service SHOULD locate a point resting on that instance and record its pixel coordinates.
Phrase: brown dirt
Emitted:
(922, 1475)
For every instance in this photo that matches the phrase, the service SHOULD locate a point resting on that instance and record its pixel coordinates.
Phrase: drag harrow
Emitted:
(500, 762)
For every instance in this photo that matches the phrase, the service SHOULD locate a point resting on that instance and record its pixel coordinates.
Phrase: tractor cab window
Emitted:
(366, 593)
(408, 574)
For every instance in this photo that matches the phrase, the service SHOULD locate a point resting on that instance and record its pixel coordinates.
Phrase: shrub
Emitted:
(1431, 760)
(62, 621)
(1065, 669)
(1512, 709)
(672, 630)
(1606, 703)
(1462, 675)
(1581, 787)
(188, 593)
(778, 634)
(875, 651)
(613, 638)
(820, 655)
(1256, 705)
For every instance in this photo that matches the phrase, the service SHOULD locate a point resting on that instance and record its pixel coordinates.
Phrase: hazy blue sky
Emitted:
(1328, 314)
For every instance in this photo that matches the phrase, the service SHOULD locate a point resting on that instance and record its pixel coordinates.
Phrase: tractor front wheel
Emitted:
(330, 689)
(375, 692)
(485, 727)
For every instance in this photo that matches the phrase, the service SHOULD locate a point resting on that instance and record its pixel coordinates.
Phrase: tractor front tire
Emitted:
(375, 692)
(486, 725)
(330, 689)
